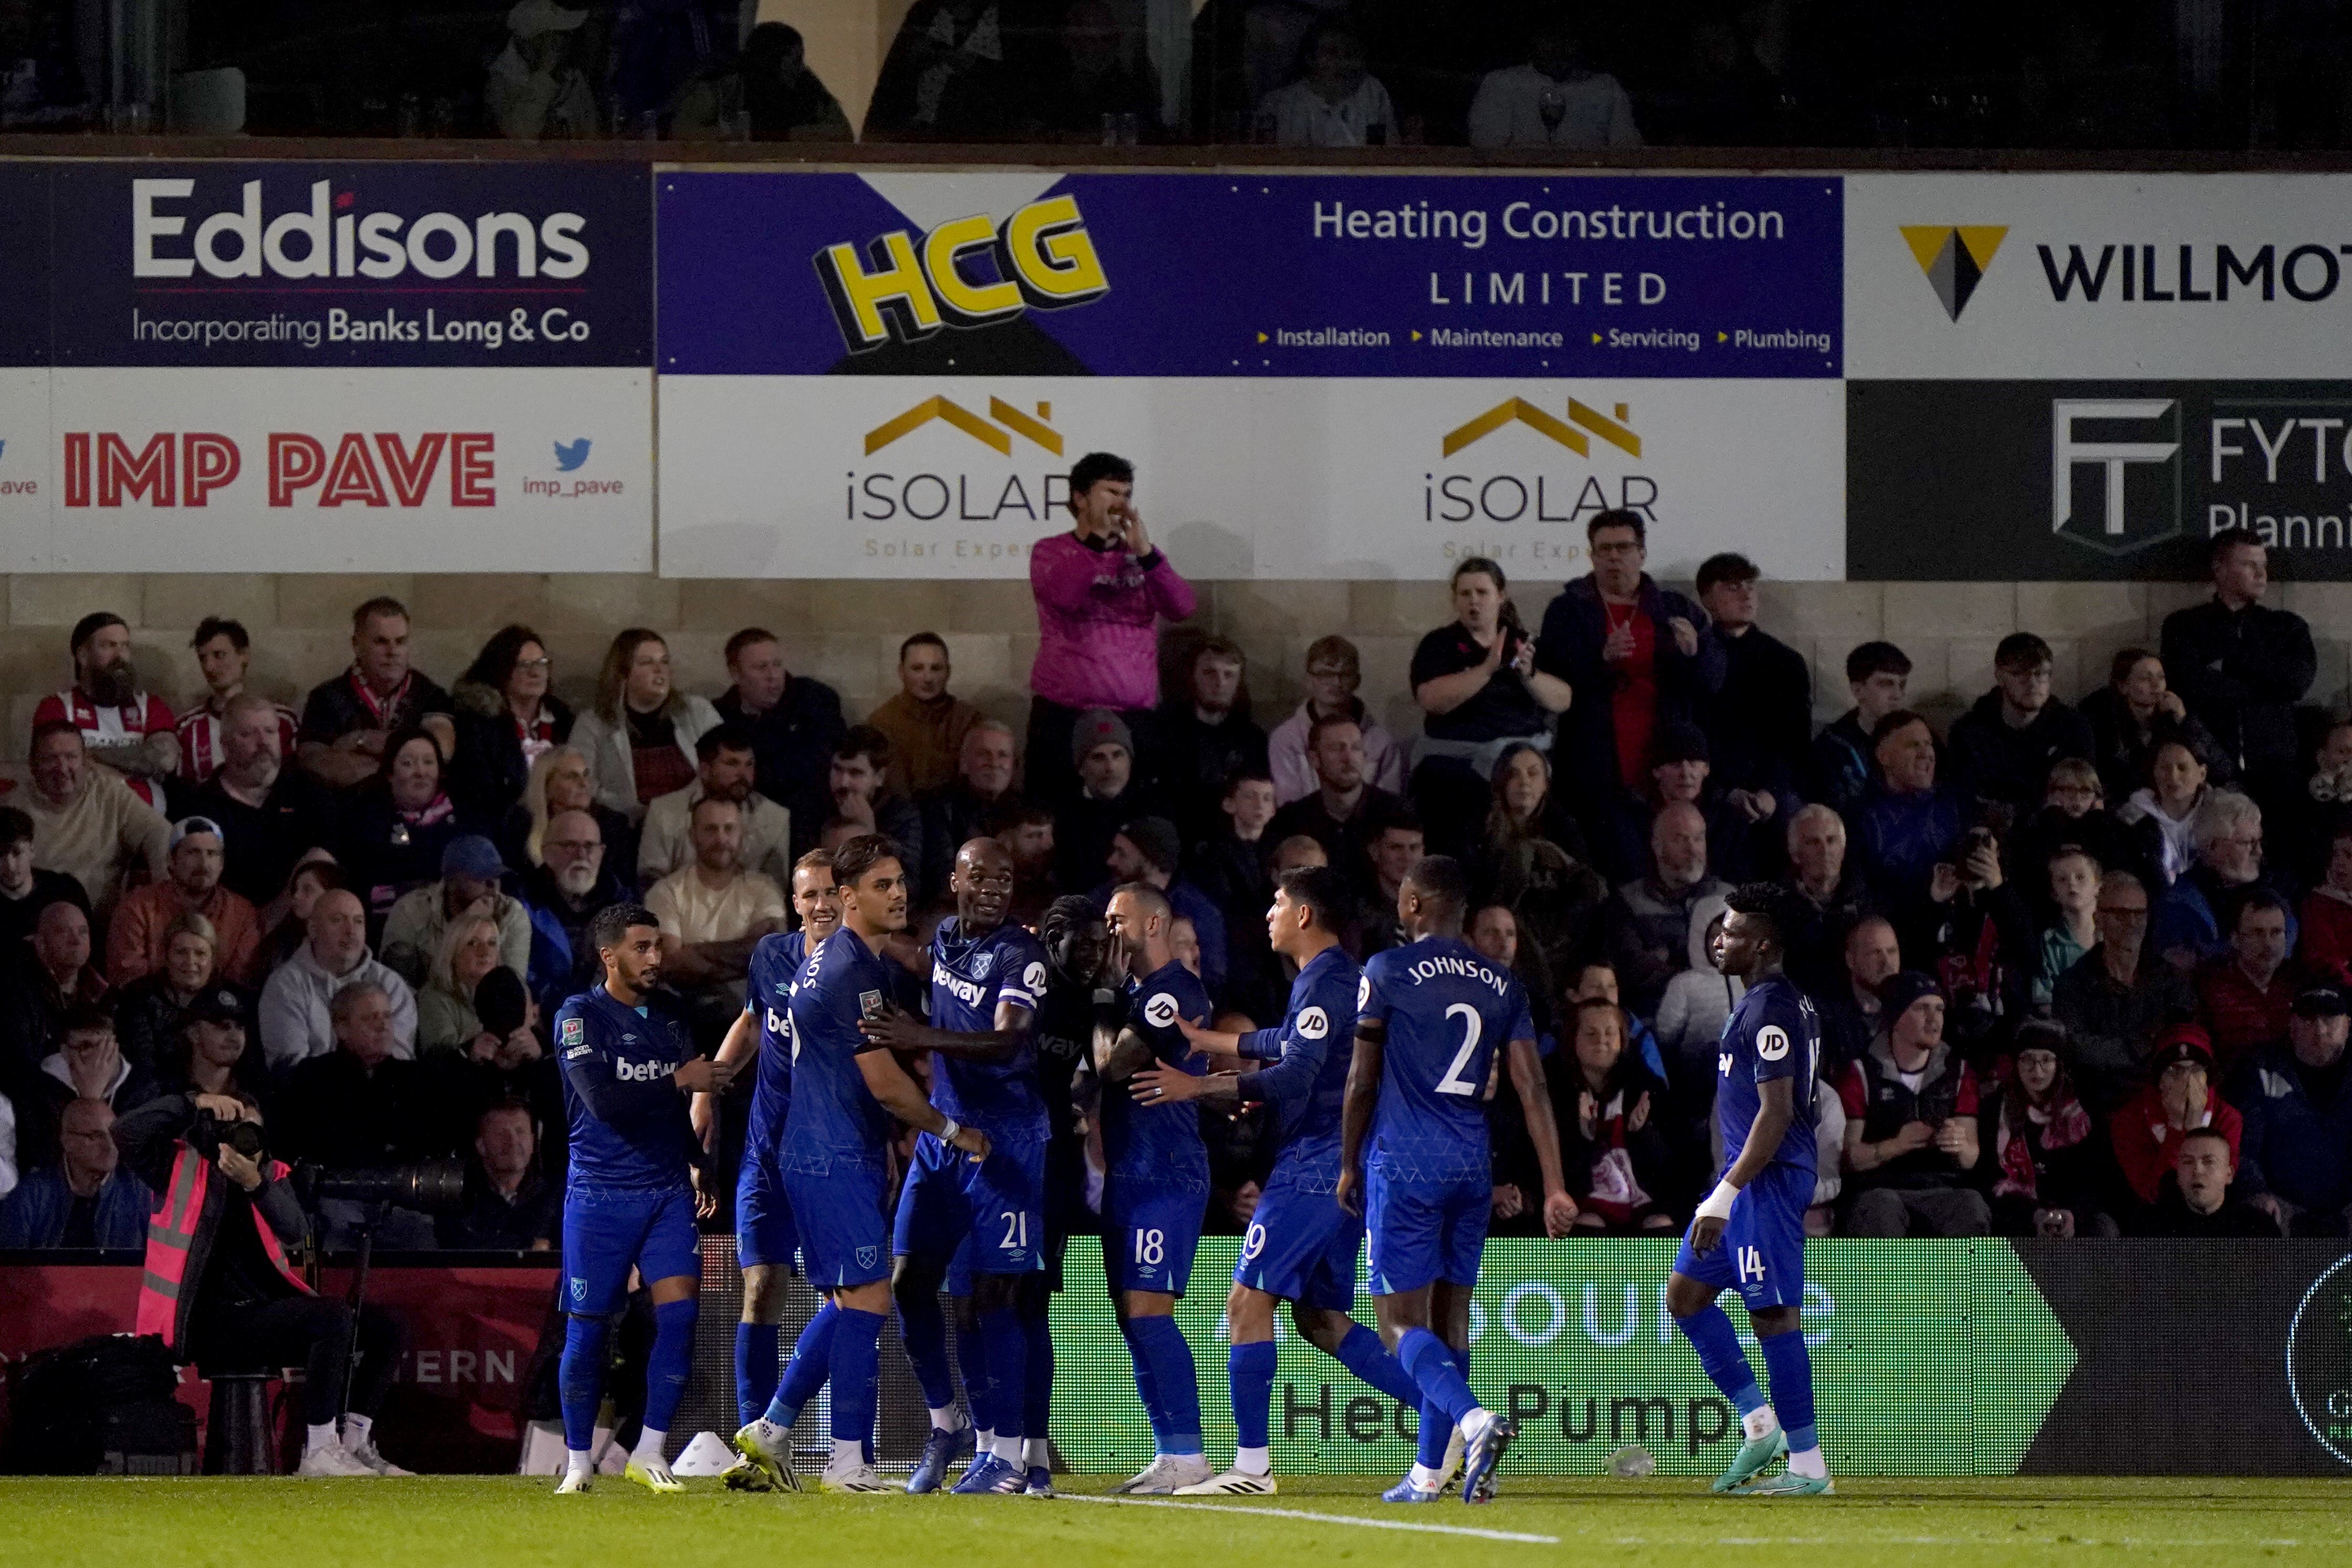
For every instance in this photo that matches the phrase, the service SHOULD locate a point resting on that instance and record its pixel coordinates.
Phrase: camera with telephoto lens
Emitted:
(210, 1134)
(428, 1186)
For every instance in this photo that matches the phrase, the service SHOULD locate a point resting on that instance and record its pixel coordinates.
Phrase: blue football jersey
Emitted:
(1307, 1087)
(969, 978)
(775, 972)
(1773, 1033)
(835, 1117)
(628, 1121)
(1448, 1009)
(1161, 1142)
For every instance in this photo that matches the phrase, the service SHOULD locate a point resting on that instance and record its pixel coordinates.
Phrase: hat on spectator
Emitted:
(188, 825)
(1099, 727)
(2322, 1002)
(532, 17)
(214, 1005)
(1157, 840)
(91, 625)
(1900, 991)
(471, 854)
(2182, 1043)
(1678, 742)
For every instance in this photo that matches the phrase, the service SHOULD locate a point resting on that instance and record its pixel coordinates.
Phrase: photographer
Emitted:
(219, 1287)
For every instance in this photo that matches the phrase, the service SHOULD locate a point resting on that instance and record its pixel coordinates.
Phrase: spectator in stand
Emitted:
(2004, 745)
(270, 816)
(2146, 1130)
(1232, 867)
(1027, 835)
(2132, 715)
(224, 656)
(2046, 1158)
(137, 936)
(1480, 693)
(1553, 100)
(2304, 838)
(51, 976)
(214, 1049)
(1639, 656)
(713, 913)
(861, 765)
(1844, 756)
(1692, 1013)
(400, 823)
(1682, 772)
(769, 88)
(2243, 995)
(2073, 876)
(561, 782)
(2298, 1119)
(1334, 672)
(147, 1010)
(1089, 74)
(25, 889)
(1829, 892)
(296, 1023)
(1646, 923)
(2193, 1200)
(86, 823)
(1101, 591)
(286, 919)
(2194, 920)
(795, 721)
(366, 1103)
(1148, 850)
(1760, 724)
(446, 1018)
(1103, 749)
(972, 805)
(1337, 103)
(507, 719)
(639, 738)
(2072, 816)
(1979, 938)
(349, 722)
(88, 1063)
(1597, 981)
(1907, 821)
(2162, 813)
(510, 1206)
(1527, 861)
(1911, 1142)
(2117, 997)
(1295, 852)
(506, 1058)
(1394, 848)
(947, 76)
(85, 1198)
(471, 872)
(1871, 956)
(123, 729)
(562, 893)
(1494, 932)
(2326, 946)
(658, 46)
(1206, 736)
(2241, 666)
(1612, 1151)
(1345, 811)
(924, 722)
(537, 88)
(723, 767)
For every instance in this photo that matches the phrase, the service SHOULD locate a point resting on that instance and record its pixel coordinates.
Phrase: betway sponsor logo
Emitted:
(328, 238)
(2193, 274)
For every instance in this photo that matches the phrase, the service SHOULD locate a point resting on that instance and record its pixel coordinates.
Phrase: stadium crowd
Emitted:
(2081, 969)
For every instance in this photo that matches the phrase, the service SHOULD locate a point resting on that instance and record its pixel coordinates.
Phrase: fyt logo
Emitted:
(1954, 257)
(2115, 471)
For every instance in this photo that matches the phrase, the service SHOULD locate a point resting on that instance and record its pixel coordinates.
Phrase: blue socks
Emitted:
(1433, 1367)
(671, 1361)
(1165, 1377)
(1147, 1385)
(1362, 1353)
(1250, 1369)
(1792, 1387)
(811, 1364)
(856, 1374)
(1711, 1334)
(1037, 1375)
(580, 1378)
(924, 1329)
(755, 1370)
(1003, 1345)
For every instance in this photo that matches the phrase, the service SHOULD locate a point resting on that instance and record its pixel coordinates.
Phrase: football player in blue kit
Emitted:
(1156, 1186)
(845, 1089)
(765, 1239)
(1301, 1246)
(627, 1064)
(986, 976)
(1429, 1017)
(1748, 1235)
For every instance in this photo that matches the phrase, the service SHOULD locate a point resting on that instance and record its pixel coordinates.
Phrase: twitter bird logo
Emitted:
(570, 454)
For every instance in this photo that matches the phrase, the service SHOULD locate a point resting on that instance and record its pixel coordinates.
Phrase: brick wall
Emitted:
(847, 633)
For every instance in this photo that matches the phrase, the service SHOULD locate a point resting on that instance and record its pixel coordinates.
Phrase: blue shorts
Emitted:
(1301, 1247)
(764, 1231)
(1421, 1232)
(845, 1234)
(1762, 1254)
(1149, 1231)
(609, 1230)
(994, 1210)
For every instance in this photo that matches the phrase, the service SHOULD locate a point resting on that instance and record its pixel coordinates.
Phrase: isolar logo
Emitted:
(1520, 410)
(1533, 495)
(2115, 471)
(1954, 257)
(1038, 431)
(329, 239)
(968, 272)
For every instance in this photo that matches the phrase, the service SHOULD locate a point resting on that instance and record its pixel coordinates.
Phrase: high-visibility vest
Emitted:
(172, 1231)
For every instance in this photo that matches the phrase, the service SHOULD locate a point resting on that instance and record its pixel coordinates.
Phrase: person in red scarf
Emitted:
(1608, 1106)
(2046, 1155)
(2179, 1097)
(348, 723)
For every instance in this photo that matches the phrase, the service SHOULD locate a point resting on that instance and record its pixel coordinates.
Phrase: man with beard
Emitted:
(122, 727)
(975, 801)
(724, 768)
(567, 890)
(269, 814)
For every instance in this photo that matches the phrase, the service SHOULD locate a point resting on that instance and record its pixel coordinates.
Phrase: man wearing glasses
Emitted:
(2116, 997)
(1333, 673)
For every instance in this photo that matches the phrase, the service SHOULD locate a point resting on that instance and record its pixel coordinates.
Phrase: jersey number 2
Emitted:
(1472, 1027)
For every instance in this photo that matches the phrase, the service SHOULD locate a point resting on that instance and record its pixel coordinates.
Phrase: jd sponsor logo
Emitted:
(960, 486)
(2115, 471)
(1539, 487)
(1954, 257)
(969, 272)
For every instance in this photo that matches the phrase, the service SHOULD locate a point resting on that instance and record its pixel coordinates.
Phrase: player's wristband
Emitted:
(947, 1135)
(1718, 1202)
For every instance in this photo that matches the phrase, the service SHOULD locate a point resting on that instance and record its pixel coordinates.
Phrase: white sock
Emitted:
(322, 1436)
(1477, 1421)
(1809, 1463)
(1006, 1448)
(1759, 1422)
(576, 1461)
(848, 1454)
(982, 1437)
(356, 1428)
(772, 1435)
(648, 1450)
(1038, 1452)
(1254, 1461)
(1425, 1478)
(946, 1418)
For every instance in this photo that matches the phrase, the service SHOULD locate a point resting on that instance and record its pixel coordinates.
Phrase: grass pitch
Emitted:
(515, 1522)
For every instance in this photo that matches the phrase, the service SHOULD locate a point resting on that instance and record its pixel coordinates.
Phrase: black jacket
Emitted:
(1574, 631)
(487, 772)
(952, 815)
(2241, 672)
(2125, 752)
(1760, 725)
(2011, 766)
(1194, 760)
(792, 753)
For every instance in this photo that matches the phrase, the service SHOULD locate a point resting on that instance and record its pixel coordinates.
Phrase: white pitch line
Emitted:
(1315, 1518)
